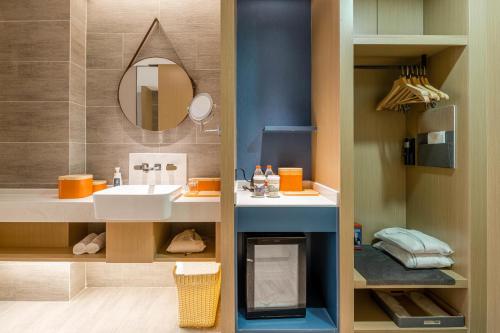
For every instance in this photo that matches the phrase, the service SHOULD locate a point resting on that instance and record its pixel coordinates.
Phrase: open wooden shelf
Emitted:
(207, 255)
(404, 46)
(460, 283)
(369, 317)
(48, 254)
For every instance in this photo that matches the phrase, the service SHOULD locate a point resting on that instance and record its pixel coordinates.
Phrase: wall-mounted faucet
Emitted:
(145, 167)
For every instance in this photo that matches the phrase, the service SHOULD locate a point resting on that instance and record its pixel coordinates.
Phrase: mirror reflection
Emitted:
(155, 94)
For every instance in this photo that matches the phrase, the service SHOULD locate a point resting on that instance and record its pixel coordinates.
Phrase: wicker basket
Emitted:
(198, 299)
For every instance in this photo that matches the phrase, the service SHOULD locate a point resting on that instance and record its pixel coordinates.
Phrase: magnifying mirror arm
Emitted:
(217, 130)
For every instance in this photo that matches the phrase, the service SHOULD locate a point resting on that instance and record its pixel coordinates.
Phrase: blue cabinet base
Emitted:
(316, 320)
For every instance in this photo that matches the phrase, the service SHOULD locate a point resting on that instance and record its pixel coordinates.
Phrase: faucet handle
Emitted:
(171, 167)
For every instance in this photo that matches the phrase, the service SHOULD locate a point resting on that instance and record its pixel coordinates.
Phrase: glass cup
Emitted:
(193, 186)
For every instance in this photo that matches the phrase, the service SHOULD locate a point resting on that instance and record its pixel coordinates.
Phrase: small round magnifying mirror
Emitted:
(201, 110)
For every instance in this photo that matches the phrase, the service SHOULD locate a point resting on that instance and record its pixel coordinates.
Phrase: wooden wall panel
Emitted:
(130, 242)
(346, 213)
(325, 93)
(396, 17)
(228, 163)
(493, 156)
(445, 17)
(34, 235)
(438, 199)
(365, 17)
(380, 176)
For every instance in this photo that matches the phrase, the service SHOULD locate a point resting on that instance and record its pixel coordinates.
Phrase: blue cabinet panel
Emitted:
(286, 219)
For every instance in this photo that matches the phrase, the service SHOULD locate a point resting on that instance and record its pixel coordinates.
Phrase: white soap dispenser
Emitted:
(117, 177)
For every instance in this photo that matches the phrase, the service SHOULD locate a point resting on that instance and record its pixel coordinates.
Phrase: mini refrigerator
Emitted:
(276, 272)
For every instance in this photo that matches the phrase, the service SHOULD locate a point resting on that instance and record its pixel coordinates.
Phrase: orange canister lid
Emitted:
(290, 171)
(75, 177)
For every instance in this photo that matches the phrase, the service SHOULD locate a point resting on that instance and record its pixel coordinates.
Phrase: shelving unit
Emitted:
(370, 317)
(316, 320)
(388, 34)
(207, 255)
(405, 46)
(49, 254)
(460, 283)
(289, 129)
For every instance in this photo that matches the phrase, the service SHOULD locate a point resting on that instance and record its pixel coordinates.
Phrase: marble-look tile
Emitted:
(34, 41)
(158, 45)
(203, 159)
(108, 309)
(23, 163)
(76, 158)
(34, 81)
(134, 134)
(77, 278)
(104, 51)
(130, 275)
(185, 132)
(208, 51)
(190, 15)
(102, 87)
(34, 10)
(78, 10)
(104, 124)
(31, 281)
(77, 84)
(76, 123)
(132, 16)
(103, 158)
(78, 43)
(33, 121)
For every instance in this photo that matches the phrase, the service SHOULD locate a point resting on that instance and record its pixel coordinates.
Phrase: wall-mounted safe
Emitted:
(276, 271)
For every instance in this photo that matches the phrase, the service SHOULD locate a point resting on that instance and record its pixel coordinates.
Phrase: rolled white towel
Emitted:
(81, 246)
(97, 244)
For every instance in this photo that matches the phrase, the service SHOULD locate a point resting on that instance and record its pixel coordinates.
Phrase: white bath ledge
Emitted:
(43, 205)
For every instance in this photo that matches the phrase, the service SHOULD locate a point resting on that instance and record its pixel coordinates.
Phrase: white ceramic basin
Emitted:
(135, 202)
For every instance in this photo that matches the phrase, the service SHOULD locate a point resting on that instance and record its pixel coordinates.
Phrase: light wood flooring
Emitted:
(98, 310)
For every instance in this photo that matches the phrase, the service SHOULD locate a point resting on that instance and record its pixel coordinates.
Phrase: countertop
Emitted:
(327, 198)
(43, 205)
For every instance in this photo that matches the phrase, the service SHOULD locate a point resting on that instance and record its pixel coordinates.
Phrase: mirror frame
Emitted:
(132, 64)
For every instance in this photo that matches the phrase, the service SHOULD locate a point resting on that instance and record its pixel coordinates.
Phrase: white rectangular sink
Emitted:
(136, 202)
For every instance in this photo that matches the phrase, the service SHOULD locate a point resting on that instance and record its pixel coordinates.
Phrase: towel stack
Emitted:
(414, 249)
(91, 244)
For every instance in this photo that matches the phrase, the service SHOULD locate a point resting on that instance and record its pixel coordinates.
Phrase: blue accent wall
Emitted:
(273, 83)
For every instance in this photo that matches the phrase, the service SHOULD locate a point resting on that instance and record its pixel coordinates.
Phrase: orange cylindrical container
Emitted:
(207, 184)
(75, 186)
(290, 179)
(99, 185)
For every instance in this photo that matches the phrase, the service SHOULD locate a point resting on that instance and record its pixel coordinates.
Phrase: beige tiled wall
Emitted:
(189, 35)
(42, 91)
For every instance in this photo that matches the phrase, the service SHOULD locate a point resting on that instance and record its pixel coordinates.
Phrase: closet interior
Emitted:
(394, 38)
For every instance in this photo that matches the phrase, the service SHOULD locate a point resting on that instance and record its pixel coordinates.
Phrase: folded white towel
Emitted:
(81, 246)
(414, 241)
(413, 261)
(97, 244)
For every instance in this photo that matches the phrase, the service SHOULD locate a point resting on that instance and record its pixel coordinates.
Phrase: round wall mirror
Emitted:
(155, 94)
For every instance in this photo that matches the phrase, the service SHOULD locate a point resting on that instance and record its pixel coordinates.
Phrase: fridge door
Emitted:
(276, 277)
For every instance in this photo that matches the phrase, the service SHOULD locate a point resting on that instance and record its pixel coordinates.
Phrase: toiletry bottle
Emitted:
(117, 177)
(269, 172)
(258, 171)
